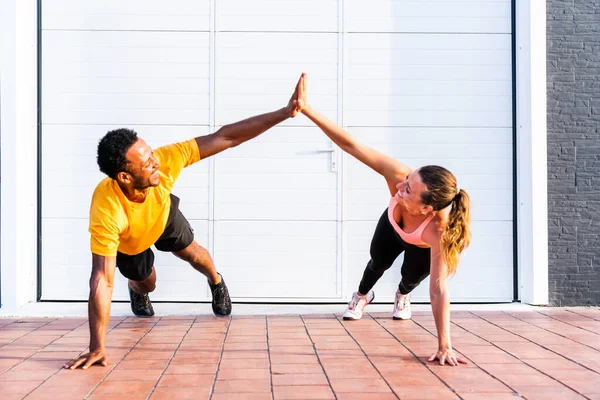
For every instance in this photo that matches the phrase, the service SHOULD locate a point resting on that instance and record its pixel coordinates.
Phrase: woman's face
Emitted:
(409, 194)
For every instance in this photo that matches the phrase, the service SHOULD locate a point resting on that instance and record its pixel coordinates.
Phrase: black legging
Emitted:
(386, 246)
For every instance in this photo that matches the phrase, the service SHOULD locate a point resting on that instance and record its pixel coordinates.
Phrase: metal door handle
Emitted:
(332, 150)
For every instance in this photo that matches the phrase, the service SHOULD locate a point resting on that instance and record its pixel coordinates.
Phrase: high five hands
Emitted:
(298, 100)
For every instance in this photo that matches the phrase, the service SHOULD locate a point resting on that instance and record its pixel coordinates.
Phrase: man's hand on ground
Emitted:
(87, 360)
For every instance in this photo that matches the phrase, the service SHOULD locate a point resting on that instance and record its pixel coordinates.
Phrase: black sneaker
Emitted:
(140, 304)
(221, 303)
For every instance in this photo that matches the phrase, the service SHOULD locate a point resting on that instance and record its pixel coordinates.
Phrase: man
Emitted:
(133, 208)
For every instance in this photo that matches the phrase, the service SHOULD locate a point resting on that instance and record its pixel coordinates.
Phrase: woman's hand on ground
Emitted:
(447, 356)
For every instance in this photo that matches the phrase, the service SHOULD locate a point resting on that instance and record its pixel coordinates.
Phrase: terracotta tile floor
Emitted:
(543, 354)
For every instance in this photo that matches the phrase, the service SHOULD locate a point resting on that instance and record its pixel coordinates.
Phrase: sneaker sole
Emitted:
(401, 319)
(356, 319)
(144, 316)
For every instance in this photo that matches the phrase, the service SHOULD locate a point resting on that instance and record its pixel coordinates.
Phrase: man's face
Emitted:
(142, 166)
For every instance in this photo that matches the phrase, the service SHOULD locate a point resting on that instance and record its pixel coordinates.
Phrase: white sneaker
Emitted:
(402, 306)
(357, 305)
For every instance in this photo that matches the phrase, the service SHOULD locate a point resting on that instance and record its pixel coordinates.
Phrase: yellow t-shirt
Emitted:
(119, 224)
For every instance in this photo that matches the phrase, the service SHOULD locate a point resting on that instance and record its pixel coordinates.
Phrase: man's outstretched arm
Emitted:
(101, 290)
(237, 133)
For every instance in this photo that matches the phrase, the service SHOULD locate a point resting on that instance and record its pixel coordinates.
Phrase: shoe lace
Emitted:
(220, 294)
(352, 304)
(402, 302)
(142, 300)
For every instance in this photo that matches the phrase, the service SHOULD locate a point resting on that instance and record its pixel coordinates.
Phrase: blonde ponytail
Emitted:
(457, 235)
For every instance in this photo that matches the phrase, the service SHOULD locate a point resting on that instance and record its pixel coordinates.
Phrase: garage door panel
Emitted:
(126, 15)
(74, 201)
(428, 58)
(270, 256)
(270, 159)
(405, 87)
(478, 212)
(267, 150)
(497, 240)
(458, 103)
(463, 287)
(482, 197)
(127, 86)
(482, 180)
(270, 57)
(66, 242)
(83, 141)
(278, 16)
(440, 42)
(307, 292)
(125, 117)
(275, 87)
(126, 47)
(127, 108)
(285, 72)
(70, 173)
(482, 273)
(471, 174)
(243, 181)
(432, 118)
(426, 82)
(277, 212)
(428, 16)
(115, 77)
(432, 73)
(402, 136)
(433, 150)
(271, 166)
(67, 53)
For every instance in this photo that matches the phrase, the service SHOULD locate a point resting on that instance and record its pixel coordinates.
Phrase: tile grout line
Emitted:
(61, 368)
(269, 353)
(561, 321)
(367, 357)
(317, 355)
(125, 355)
(479, 365)
(524, 362)
(170, 359)
(415, 356)
(212, 391)
(17, 338)
(583, 315)
(37, 351)
(541, 345)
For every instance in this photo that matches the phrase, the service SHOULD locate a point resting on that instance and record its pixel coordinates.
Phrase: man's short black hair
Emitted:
(112, 150)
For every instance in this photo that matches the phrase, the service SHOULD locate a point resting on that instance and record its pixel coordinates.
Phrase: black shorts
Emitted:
(178, 235)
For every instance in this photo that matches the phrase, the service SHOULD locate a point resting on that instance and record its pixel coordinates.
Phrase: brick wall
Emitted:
(573, 58)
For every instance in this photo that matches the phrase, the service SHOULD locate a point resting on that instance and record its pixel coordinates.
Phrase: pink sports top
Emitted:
(410, 238)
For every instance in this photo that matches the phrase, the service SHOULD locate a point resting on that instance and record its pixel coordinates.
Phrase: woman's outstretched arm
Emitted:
(391, 169)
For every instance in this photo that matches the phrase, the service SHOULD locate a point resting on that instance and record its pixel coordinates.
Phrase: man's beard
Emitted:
(141, 183)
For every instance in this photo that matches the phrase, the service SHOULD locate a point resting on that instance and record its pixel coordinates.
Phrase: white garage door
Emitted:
(285, 217)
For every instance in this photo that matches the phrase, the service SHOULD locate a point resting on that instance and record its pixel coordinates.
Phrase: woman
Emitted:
(427, 218)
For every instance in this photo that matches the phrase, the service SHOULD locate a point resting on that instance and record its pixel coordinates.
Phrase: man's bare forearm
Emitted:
(242, 131)
(99, 312)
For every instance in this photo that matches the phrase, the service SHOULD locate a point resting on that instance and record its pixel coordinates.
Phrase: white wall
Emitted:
(532, 176)
(18, 146)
